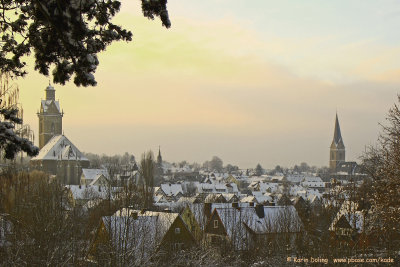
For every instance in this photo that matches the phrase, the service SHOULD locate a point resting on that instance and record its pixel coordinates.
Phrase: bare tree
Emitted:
(382, 163)
(147, 169)
(47, 230)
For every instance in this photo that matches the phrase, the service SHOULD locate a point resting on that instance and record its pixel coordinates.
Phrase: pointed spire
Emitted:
(337, 135)
(159, 158)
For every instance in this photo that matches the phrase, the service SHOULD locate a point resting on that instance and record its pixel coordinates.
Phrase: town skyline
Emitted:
(267, 107)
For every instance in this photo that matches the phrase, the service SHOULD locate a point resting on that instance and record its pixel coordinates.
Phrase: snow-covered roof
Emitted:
(46, 104)
(313, 179)
(171, 189)
(159, 199)
(295, 178)
(216, 188)
(211, 198)
(234, 187)
(59, 147)
(277, 219)
(220, 187)
(248, 199)
(228, 197)
(165, 218)
(99, 179)
(314, 184)
(269, 219)
(268, 186)
(82, 192)
(91, 174)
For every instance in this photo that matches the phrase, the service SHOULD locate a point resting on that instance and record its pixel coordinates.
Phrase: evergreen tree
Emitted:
(259, 170)
(68, 34)
(11, 142)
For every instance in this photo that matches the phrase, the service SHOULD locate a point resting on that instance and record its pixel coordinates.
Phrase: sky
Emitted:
(248, 81)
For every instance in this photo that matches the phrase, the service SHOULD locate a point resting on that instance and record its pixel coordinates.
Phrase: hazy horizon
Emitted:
(251, 83)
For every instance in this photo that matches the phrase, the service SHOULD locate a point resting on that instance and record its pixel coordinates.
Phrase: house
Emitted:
(295, 178)
(313, 183)
(192, 200)
(246, 228)
(80, 194)
(94, 177)
(215, 198)
(264, 187)
(171, 191)
(159, 199)
(249, 199)
(139, 235)
(230, 197)
(223, 188)
(62, 158)
(348, 225)
(232, 188)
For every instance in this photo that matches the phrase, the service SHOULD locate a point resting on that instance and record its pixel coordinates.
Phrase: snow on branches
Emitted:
(67, 33)
(10, 141)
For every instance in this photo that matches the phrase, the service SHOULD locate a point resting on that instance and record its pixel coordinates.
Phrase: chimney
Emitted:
(260, 211)
(167, 210)
(134, 215)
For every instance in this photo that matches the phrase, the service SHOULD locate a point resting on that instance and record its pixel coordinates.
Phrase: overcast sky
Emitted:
(249, 81)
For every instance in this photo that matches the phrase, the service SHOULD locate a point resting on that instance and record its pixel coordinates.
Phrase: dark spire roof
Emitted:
(159, 158)
(337, 135)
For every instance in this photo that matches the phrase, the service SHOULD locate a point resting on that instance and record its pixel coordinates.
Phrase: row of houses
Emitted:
(143, 234)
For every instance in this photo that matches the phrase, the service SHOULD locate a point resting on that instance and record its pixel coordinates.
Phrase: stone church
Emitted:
(58, 155)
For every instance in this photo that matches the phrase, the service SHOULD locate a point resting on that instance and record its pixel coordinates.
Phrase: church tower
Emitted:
(337, 150)
(50, 117)
(159, 158)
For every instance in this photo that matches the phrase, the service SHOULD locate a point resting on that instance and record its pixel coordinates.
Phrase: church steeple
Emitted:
(50, 117)
(337, 135)
(337, 149)
(159, 158)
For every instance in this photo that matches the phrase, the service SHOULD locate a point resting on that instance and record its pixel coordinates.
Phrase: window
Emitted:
(215, 223)
(177, 230)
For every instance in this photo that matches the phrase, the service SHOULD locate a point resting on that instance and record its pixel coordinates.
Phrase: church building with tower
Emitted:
(58, 155)
(337, 150)
(338, 166)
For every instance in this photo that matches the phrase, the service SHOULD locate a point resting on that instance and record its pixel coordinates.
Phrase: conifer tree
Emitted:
(65, 33)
